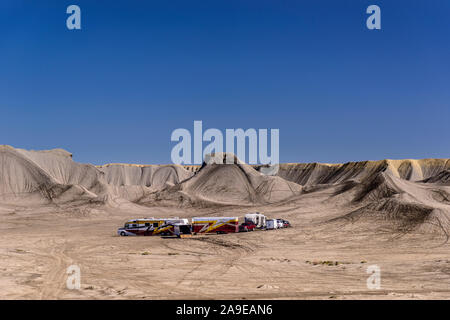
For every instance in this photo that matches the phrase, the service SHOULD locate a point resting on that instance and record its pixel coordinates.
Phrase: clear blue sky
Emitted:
(114, 91)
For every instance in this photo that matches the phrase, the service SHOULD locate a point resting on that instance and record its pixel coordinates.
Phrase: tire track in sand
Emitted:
(54, 281)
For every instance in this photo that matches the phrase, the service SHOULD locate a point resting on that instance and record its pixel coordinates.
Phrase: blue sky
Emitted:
(115, 90)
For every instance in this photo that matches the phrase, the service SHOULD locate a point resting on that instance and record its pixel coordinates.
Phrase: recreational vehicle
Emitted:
(215, 225)
(271, 224)
(200, 225)
(257, 218)
(154, 226)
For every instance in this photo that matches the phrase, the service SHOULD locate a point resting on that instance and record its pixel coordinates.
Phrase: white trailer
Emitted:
(257, 218)
(271, 224)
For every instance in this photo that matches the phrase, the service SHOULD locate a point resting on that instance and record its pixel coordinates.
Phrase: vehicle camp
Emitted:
(176, 227)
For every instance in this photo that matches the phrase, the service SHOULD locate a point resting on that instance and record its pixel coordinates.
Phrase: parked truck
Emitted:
(247, 226)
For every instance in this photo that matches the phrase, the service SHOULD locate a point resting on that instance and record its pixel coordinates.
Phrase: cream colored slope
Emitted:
(59, 165)
(231, 184)
(19, 176)
(43, 176)
(406, 204)
(22, 181)
(316, 173)
(155, 176)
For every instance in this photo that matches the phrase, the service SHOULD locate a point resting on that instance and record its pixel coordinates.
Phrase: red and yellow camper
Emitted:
(154, 226)
(215, 224)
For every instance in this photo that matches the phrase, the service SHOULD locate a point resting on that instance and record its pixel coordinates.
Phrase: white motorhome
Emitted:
(257, 218)
(271, 224)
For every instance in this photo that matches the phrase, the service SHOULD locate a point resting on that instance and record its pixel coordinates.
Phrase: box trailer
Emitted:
(215, 224)
(271, 224)
(154, 226)
(257, 218)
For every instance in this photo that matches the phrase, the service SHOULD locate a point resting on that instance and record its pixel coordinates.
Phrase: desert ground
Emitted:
(345, 217)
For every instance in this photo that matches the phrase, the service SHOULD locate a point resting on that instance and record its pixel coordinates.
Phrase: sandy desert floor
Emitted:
(56, 213)
(39, 244)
